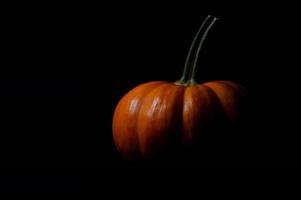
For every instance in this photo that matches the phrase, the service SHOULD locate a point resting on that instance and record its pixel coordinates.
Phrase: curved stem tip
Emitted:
(193, 54)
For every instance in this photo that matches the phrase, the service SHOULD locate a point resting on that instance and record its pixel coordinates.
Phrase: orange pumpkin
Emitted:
(158, 116)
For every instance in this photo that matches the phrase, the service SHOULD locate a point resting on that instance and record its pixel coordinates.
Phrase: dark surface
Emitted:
(40, 183)
(64, 68)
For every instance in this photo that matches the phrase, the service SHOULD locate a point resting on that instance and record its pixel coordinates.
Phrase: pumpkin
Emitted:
(158, 117)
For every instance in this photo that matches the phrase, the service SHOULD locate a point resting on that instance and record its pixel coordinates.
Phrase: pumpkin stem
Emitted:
(194, 62)
(185, 74)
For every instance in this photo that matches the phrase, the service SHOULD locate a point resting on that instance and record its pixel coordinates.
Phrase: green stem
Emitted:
(188, 58)
(194, 62)
(193, 54)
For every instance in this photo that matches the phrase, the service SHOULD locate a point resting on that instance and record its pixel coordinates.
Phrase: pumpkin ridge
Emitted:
(143, 97)
(183, 122)
(239, 89)
(216, 100)
(140, 96)
(139, 113)
(209, 93)
(227, 97)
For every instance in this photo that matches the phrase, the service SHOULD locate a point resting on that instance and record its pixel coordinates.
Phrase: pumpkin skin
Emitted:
(158, 116)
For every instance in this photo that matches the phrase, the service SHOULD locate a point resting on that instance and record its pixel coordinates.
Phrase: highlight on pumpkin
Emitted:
(159, 118)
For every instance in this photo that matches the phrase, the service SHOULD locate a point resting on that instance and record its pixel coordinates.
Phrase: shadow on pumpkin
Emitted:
(220, 143)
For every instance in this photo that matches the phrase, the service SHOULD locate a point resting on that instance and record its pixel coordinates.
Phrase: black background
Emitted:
(65, 66)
